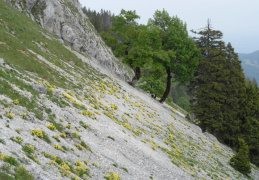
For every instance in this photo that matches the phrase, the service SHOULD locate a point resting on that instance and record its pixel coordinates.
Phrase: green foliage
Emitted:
(2, 141)
(131, 41)
(30, 34)
(11, 160)
(58, 126)
(240, 161)
(112, 138)
(18, 173)
(85, 146)
(28, 149)
(218, 87)
(250, 120)
(178, 53)
(4, 176)
(46, 137)
(102, 21)
(224, 102)
(125, 169)
(22, 174)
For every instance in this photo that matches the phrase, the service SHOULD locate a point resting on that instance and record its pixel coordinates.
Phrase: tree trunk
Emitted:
(168, 85)
(136, 77)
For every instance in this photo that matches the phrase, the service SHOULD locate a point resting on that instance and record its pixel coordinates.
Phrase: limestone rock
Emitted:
(65, 19)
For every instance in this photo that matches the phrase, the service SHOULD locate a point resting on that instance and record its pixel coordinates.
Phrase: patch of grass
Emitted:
(76, 135)
(125, 169)
(22, 174)
(86, 146)
(112, 138)
(11, 160)
(5, 176)
(28, 149)
(115, 165)
(17, 139)
(45, 137)
(58, 126)
(65, 148)
(86, 126)
(2, 141)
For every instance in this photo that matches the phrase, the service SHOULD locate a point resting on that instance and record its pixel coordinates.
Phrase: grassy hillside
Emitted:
(60, 118)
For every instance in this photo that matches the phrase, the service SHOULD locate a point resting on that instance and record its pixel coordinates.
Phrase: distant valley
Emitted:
(250, 64)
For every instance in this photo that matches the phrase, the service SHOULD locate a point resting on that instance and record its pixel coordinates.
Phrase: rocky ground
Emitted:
(64, 116)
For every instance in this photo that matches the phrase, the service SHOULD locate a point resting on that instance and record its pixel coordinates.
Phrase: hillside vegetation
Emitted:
(65, 117)
(250, 63)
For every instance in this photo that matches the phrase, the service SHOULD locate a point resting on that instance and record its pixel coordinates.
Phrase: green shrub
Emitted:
(240, 161)
(2, 141)
(85, 146)
(4, 176)
(45, 137)
(22, 174)
(28, 149)
(11, 160)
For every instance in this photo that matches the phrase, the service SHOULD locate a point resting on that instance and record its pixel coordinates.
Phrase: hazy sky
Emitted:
(237, 19)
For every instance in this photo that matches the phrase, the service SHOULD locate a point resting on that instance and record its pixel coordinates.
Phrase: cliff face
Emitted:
(65, 19)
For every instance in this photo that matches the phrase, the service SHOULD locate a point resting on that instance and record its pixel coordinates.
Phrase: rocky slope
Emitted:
(63, 116)
(65, 19)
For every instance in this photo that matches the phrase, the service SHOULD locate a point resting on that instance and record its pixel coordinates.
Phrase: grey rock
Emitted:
(40, 88)
(66, 20)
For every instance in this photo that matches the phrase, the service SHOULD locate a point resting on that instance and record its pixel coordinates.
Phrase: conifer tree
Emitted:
(210, 79)
(235, 91)
(240, 161)
(250, 120)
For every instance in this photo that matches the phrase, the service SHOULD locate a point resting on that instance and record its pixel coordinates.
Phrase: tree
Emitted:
(134, 42)
(153, 80)
(211, 79)
(218, 91)
(235, 91)
(250, 120)
(102, 21)
(240, 161)
(179, 53)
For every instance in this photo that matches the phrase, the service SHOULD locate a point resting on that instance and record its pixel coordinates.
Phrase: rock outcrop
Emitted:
(65, 19)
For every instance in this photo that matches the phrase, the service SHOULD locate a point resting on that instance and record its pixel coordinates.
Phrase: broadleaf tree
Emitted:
(132, 42)
(180, 56)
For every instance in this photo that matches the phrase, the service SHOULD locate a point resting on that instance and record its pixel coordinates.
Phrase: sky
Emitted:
(238, 20)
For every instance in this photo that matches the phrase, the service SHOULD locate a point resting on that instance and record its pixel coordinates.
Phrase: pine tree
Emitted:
(240, 161)
(235, 91)
(210, 80)
(250, 120)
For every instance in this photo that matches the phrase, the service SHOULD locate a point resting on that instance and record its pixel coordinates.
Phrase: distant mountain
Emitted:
(250, 63)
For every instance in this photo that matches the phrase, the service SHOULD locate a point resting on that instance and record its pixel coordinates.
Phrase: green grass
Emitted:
(86, 146)
(19, 173)
(5, 176)
(21, 34)
(2, 141)
(22, 174)
(58, 126)
(46, 137)
(11, 160)
(112, 138)
(125, 169)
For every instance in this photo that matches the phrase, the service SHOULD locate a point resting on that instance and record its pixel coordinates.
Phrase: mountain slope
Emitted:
(250, 64)
(63, 116)
(65, 19)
